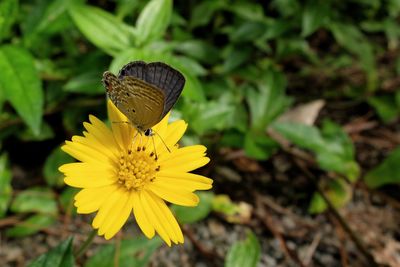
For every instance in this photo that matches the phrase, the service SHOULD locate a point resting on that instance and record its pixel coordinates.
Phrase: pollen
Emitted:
(137, 169)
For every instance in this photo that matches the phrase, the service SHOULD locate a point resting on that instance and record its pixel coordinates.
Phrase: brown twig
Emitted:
(312, 248)
(267, 220)
(300, 160)
(353, 236)
(341, 235)
(210, 254)
(9, 221)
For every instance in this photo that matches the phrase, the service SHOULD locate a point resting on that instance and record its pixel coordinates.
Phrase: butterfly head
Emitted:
(148, 132)
(110, 81)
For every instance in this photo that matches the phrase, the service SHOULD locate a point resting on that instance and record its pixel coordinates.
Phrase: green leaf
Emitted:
(286, 47)
(5, 185)
(224, 205)
(101, 28)
(199, 50)
(20, 82)
(332, 146)
(45, 133)
(249, 31)
(247, 10)
(204, 12)
(304, 136)
(50, 170)
(393, 8)
(31, 225)
(315, 14)
(195, 214)
(132, 253)
(317, 204)
(385, 106)
(210, 116)
(8, 15)
(67, 200)
(35, 200)
(258, 145)
(337, 191)
(153, 21)
(60, 256)
(244, 253)
(330, 161)
(55, 17)
(44, 19)
(86, 83)
(351, 38)
(192, 90)
(288, 7)
(268, 101)
(235, 57)
(338, 154)
(387, 172)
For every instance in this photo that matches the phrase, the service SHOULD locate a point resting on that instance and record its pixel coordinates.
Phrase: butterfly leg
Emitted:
(154, 145)
(162, 140)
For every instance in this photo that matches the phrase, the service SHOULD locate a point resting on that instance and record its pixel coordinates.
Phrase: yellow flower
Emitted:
(119, 174)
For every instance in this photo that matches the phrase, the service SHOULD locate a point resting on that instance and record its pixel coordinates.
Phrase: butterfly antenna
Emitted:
(162, 140)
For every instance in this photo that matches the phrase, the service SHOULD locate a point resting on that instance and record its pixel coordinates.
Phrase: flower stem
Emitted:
(79, 252)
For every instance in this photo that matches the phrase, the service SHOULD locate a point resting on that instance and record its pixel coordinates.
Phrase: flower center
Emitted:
(137, 168)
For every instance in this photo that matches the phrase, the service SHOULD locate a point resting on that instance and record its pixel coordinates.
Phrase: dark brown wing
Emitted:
(160, 75)
(136, 69)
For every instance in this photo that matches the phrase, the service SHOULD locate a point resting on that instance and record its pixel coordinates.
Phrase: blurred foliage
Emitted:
(388, 172)
(132, 253)
(237, 57)
(60, 256)
(244, 253)
(5, 185)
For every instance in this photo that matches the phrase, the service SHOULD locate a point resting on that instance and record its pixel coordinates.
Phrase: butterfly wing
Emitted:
(142, 103)
(135, 69)
(160, 75)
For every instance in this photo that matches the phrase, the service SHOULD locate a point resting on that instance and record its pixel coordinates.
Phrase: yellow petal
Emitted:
(118, 215)
(184, 154)
(170, 193)
(101, 136)
(172, 228)
(141, 217)
(154, 218)
(85, 154)
(173, 134)
(168, 218)
(100, 221)
(184, 176)
(123, 131)
(89, 142)
(82, 175)
(185, 185)
(181, 165)
(161, 127)
(77, 167)
(89, 200)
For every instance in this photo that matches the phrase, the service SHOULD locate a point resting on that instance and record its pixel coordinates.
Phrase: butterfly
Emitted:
(144, 92)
